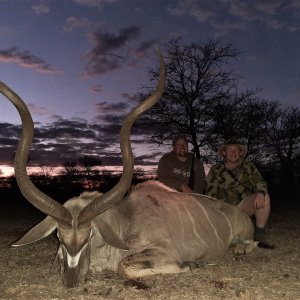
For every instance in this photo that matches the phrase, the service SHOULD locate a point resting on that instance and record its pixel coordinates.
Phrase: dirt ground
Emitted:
(262, 274)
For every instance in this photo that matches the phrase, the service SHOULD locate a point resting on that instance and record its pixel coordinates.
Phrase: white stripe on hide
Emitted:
(221, 243)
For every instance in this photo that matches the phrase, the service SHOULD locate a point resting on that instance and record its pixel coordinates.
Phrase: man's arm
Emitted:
(212, 183)
(258, 182)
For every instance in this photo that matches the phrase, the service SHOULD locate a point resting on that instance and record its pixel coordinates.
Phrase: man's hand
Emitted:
(259, 201)
(186, 189)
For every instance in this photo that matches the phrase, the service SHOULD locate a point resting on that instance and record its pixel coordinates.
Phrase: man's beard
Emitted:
(182, 154)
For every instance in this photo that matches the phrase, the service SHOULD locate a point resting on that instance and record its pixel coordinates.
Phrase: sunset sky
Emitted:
(79, 63)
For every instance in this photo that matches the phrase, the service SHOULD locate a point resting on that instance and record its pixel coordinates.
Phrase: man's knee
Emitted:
(267, 200)
(246, 205)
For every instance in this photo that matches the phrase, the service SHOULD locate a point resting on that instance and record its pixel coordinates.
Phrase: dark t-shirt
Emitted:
(174, 172)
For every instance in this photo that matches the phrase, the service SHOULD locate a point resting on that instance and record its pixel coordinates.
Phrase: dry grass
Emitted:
(263, 274)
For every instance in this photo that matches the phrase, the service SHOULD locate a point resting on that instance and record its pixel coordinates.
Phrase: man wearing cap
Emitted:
(238, 182)
(180, 170)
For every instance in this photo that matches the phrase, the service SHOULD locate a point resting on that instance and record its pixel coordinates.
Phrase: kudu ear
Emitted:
(108, 235)
(56, 262)
(38, 232)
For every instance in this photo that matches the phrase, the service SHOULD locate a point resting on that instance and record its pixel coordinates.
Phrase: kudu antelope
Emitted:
(151, 230)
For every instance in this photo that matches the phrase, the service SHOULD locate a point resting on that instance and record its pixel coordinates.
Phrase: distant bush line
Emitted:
(63, 187)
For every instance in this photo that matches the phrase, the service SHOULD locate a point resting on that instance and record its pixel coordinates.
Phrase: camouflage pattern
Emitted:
(221, 185)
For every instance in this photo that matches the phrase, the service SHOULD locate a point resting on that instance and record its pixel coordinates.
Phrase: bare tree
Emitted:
(198, 80)
(71, 169)
(281, 127)
(88, 162)
(46, 173)
(138, 174)
(239, 118)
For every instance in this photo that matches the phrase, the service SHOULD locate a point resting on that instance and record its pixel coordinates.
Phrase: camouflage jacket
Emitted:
(233, 185)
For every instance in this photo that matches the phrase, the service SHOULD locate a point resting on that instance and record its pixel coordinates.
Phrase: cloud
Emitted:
(93, 3)
(135, 98)
(9, 138)
(68, 139)
(96, 89)
(38, 110)
(105, 107)
(8, 131)
(293, 28)
(269, 7)
(143, 49)
(65, 140)
(27, 60)
(40, 9)
(73, 23)
(274, 24)
(250, 11)
(201, 10)
(295, 4)
(227, 26)
(107, 55)
(62, 129)
(267, 12)
(111, 129)
(150, 159)
(239, 14)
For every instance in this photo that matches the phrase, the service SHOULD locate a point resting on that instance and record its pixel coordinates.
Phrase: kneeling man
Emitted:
(238, 182)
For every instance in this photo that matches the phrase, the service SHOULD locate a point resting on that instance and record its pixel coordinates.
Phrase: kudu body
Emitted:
(153, 229)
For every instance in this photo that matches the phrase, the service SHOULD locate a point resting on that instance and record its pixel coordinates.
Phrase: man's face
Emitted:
(232, 153)
(181, 148)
